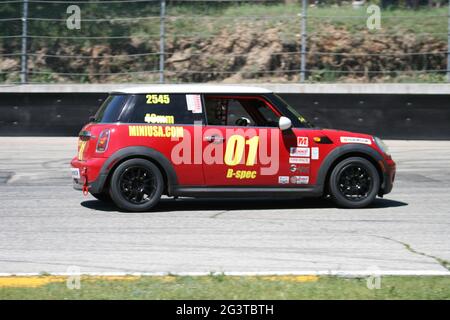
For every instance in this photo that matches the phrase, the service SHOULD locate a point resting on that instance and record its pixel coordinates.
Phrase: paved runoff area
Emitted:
(46, 226)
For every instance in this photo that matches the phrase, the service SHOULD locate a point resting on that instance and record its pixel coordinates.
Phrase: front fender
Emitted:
(342, 151)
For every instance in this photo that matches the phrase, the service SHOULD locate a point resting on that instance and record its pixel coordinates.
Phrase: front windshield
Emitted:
(305, 123)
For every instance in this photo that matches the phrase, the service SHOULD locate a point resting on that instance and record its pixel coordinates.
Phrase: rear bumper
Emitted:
(77, 184)
(89, 170)
(93, 186)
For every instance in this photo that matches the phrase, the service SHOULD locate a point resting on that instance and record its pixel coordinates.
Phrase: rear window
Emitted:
(166, 108)
(111, 109)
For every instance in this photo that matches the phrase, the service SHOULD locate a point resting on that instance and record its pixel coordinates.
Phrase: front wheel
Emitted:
(354, 183)
(136, 185)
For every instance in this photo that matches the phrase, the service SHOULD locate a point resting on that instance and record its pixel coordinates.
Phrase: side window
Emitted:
(237, 112)
(111, 109)
(269, 116)
(244, 111)
(166, 109)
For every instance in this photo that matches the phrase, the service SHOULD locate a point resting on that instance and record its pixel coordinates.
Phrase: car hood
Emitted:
(335, 135)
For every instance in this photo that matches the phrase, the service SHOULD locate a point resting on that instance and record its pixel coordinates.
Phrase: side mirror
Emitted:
(91, 119)
(284, 123)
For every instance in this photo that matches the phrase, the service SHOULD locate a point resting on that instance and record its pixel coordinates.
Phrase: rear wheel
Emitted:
(136, 185)
(354, 183)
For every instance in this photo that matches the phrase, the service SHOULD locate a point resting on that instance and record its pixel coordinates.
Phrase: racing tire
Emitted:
(104, 196)
(354, 183)
(136, 185)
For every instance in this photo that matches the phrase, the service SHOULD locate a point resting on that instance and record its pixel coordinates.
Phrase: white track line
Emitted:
(258, 273)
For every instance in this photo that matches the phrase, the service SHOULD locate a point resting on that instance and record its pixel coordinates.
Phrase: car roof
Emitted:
(191, 88)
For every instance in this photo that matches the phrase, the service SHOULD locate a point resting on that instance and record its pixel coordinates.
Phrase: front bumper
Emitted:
(390, 169)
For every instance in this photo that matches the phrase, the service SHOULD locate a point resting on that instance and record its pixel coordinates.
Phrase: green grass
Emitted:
(426, 20)
(227, 287)
(285, 17)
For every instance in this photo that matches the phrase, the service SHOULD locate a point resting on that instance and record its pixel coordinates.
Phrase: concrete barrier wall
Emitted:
(391, 116)
(46, 114)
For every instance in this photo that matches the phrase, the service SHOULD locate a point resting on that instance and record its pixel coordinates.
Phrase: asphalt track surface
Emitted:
(46, 226)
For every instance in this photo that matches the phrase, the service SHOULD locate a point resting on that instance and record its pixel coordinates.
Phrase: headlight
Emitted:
(383, 147)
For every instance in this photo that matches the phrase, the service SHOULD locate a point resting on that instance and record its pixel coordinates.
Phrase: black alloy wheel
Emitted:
(354, 183)
(136, 185)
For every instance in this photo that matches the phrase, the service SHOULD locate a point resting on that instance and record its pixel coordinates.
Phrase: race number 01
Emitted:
(235, 150)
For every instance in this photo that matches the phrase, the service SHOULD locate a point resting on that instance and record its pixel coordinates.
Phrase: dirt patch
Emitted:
(247, 51)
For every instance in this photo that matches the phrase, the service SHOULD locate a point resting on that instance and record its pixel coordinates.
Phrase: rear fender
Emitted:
(136, 152)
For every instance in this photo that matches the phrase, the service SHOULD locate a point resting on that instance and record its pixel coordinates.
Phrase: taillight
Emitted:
(103, 139)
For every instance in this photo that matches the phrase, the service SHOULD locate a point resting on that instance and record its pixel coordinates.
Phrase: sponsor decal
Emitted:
(302, 142)
(315, 153)
(194, 103)
(156, 131)
(155, 118)
(300, 179)
(303, 170)
(355, 140)
(300, 170)
(283, 179)
(299, 160)
(241, 174)
(299, 152)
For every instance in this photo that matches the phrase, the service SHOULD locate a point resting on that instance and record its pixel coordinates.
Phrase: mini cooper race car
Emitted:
(221, 141)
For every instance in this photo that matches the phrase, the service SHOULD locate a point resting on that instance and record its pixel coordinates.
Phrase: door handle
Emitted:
(217, 139)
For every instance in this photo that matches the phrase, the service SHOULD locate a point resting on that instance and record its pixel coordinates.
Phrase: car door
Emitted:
(243, 146)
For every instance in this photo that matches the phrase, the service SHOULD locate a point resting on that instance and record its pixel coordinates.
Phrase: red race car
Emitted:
(221, 141)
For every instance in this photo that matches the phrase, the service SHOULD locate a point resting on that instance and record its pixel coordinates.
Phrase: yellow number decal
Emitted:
(253, 147)
(149, 98)
(235, 150)
(81, 149)
(158, 98)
